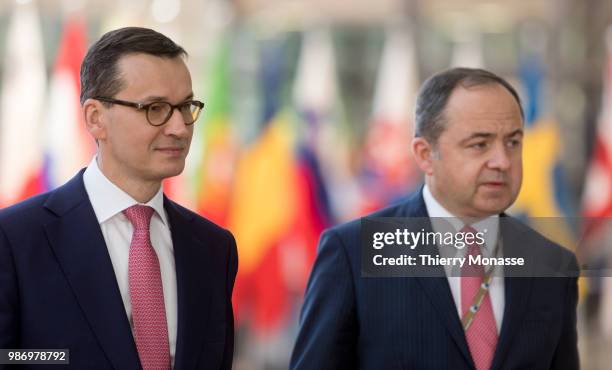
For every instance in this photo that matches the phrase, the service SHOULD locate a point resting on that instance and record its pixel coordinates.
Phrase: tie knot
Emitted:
(468, 229)
(473, 247)
(139, 216)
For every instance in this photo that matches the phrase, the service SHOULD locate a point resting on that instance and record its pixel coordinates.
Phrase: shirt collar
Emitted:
(489, 226)
(107, 199)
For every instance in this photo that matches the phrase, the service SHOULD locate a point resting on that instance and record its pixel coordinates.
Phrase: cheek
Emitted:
(516, 169)
(125, 141)
(131, 143)
(517, 177)
(469, 172)
(190, 135)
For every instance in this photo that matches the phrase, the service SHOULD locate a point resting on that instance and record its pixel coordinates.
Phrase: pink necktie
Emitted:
(146, 294)
(482, 333)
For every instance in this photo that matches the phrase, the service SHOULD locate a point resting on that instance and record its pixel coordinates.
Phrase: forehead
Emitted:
(153, 75)
(482, 107)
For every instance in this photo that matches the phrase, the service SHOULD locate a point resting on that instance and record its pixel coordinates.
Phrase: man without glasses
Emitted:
(468, 143)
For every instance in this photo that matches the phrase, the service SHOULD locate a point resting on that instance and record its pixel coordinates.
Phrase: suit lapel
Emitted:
(517, 292)
(517, 289)
(78, 244)
(438, 291)
(193, 279)
(437, 288)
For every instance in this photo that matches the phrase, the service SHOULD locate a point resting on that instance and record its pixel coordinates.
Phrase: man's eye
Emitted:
(479, 145)
(514, 143)
(155, 108)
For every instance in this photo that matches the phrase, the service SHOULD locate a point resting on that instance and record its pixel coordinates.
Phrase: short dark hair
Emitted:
(99, 74)
(435, 92)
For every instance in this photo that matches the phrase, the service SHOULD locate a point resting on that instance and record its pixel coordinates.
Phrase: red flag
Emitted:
(262, 212)
(388, 168)
(597, 198)
(69, 146)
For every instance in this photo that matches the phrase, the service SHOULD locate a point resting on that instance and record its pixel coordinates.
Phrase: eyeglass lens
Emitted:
(160, 112)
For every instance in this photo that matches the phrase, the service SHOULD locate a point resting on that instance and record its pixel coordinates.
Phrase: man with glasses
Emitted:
(106, 266)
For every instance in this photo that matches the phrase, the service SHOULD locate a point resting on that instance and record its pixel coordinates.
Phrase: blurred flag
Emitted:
(262, 212)
(23, 92)
(597, 197)
(219, 149)
(315, 100)
(278, 209)
(543, 200)
(69, 145)
(321, 125)
(313, 215)
(544, 190)
(263, 207)
(388, 169)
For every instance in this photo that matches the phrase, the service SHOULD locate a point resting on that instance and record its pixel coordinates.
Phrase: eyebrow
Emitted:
(487, 135)
(518, 131)
(154, 98)
(477, 135)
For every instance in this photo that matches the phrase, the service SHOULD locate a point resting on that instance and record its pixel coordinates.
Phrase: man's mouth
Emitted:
(494, 184)
(172, 150)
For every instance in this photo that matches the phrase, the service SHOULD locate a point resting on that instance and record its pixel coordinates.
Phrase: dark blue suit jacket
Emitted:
(58, 288)
(352, 322)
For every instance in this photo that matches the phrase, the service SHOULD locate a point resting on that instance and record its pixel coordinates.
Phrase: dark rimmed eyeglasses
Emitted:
(159, 112)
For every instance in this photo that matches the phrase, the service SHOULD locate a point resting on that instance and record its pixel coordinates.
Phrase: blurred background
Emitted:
(308, 120)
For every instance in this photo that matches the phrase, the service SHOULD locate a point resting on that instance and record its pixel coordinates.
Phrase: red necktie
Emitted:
(146, 294)
(482, 333)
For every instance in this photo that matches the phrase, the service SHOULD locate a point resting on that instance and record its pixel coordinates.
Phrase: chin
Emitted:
(496, 209)
(494, 206)
(170, 171)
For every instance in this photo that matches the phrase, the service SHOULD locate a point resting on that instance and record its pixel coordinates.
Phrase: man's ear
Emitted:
(423, 153)
(95, 116)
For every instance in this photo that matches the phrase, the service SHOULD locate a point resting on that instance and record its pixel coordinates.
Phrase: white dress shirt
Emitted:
(489, 226)
(108, 202)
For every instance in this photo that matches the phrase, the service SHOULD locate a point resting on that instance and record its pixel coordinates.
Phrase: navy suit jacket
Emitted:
(354, 322)
(58, 288)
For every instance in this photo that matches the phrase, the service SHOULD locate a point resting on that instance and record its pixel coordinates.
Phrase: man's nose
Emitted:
(500, 158)
(176, 125)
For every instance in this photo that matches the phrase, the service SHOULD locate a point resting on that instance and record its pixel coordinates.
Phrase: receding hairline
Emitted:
(433, 95)
(468, 85)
